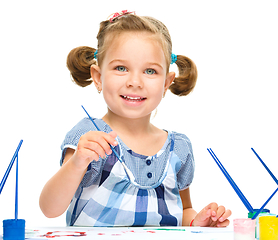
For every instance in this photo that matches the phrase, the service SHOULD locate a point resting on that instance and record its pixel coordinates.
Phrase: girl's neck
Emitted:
(127, 126)
(138, 134)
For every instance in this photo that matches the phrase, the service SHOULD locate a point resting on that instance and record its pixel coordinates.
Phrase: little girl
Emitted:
(131, 68)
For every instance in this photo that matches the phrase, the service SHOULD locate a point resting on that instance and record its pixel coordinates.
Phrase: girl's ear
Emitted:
(168, 81)
(96, 76)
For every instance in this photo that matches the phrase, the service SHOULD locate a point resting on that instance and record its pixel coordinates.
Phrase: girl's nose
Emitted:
(135, 81)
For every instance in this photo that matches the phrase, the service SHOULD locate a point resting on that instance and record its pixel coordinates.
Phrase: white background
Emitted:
(233, 107)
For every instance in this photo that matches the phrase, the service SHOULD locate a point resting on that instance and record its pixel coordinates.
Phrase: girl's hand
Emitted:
(91, 146)
(212, 216)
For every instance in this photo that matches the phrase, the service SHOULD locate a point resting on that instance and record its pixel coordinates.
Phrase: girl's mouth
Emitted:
(133, 98)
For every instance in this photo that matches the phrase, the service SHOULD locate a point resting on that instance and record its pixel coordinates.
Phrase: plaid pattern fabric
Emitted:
(106, 197)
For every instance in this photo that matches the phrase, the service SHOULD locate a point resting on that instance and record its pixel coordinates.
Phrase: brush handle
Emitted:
(2, 184)
(231, 181)
(271, 174)
(129, 173)
(259, 211)
(113, 150)
(90, 118)
(16, 191)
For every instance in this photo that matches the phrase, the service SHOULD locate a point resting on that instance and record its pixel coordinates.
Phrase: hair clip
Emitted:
(120, 14)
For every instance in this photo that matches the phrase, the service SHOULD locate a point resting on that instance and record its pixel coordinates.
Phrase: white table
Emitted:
(130, 233)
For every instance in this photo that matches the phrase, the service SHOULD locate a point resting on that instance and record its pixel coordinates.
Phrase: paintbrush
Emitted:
(271, 174)
(129, 173)
(259, 211)
(13, 228)
(231, 181)
(2, 184)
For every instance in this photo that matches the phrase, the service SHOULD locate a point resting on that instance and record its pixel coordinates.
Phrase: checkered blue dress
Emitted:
(106, 197)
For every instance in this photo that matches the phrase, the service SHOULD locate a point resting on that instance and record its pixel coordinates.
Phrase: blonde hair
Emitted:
(80, 59)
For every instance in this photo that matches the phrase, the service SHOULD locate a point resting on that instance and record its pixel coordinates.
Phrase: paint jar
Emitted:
(268, 228)
(14, 229)
(264, 212)
(244, 229)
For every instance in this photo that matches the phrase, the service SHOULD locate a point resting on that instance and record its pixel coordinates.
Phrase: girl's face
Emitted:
(133, 75)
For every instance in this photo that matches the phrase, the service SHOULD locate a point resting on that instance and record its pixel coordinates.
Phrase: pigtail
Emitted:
(186, 81)
(79, 63)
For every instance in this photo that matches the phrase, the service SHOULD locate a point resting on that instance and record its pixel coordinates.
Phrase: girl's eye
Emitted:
(150, 71)
(121, 69)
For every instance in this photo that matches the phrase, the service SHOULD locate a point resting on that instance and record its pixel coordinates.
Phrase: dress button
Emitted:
(149, 175)
(148, 162)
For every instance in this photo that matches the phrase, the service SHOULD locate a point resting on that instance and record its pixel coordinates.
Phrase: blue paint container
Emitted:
(14, 229)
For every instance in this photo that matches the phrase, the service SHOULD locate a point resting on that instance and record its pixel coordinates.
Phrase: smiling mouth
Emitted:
(133, 99)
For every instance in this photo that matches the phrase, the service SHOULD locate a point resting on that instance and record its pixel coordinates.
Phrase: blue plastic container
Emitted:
(14, 229)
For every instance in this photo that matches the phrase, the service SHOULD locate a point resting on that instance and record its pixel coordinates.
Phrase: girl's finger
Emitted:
(225, 215)
(96, 148)
(90, 155)
(103, 140)
(213, 208)
(223, 224)
(219, 212)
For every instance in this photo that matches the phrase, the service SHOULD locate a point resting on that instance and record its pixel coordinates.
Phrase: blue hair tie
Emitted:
(173, 58)
(95, 54)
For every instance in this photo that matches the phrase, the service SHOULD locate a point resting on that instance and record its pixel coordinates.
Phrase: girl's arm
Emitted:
(60, 189)
(188, 212)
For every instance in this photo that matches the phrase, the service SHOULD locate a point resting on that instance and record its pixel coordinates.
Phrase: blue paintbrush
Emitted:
(16, 191)
(231, 181)
(129, 173)
(2, 184)
(13, 228)
(271, 174)
(259, 211)
(273, 177)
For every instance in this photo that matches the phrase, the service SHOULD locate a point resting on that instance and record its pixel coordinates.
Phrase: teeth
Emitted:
(132, 98)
